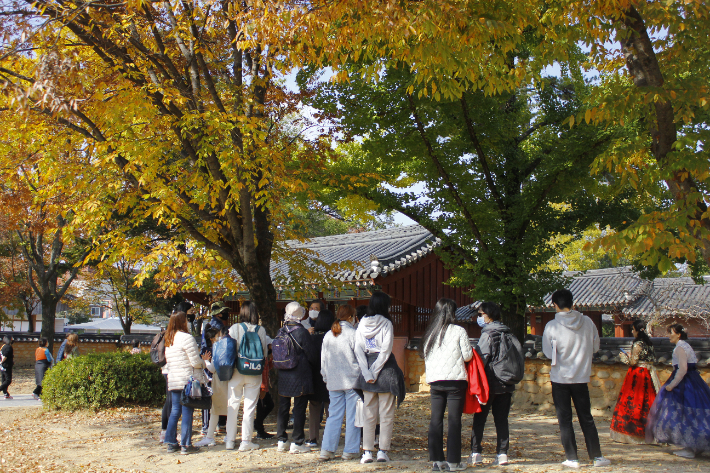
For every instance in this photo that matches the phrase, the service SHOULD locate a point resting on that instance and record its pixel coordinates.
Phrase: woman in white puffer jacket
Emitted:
(183, 360)
(446, 348)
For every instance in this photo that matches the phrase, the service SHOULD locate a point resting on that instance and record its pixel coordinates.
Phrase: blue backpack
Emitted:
(250, 357)
(224, 357)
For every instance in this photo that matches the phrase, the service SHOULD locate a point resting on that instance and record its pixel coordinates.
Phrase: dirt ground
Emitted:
(126, 440)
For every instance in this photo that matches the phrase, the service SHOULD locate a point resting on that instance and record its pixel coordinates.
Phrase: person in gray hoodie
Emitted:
(381, 379)
(340, 372)
(569, 342)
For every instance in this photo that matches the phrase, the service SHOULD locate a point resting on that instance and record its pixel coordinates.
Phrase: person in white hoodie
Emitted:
(446, 348)
(182, 356)
(340, 372)
(381, 379)
(570, 342)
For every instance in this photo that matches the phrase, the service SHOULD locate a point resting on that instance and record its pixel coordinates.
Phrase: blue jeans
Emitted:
(186, 426)
(342, 403)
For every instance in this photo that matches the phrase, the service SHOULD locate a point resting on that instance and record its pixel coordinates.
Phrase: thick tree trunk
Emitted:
(513, 315)
(264, 296)
(49, 311)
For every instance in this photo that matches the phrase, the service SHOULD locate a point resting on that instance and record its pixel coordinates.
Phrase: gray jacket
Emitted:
(339, 366)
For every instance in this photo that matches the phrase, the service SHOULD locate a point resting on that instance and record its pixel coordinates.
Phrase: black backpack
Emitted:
(509, 365)
(157, 349)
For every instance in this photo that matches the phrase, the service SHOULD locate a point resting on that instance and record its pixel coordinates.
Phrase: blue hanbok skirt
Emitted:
(682, 416)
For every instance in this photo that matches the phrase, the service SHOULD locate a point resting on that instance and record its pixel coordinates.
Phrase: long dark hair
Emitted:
(248, 313)
(443, 316)
(640, 327)
(379, 304)
(678, 329)
(324, 321)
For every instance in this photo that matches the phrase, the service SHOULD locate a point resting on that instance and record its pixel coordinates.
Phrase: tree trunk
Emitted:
(513, 315)
(30, 317)
(126, 321)
(263, 295)
(49, 311)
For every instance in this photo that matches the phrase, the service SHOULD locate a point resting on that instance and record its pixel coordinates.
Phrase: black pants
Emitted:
(263, 408)
(452, 393)
(299, 418)
(167, 407)
(563, 395)
(6, 380)
(500, 405)
(38, 390)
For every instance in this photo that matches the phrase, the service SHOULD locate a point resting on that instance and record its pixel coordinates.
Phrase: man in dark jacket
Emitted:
(296, 383)
(501, 394)
(7, 356)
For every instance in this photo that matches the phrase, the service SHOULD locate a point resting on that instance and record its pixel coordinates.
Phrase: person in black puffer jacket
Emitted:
(501, 394)
(318, 401)
(296, 383)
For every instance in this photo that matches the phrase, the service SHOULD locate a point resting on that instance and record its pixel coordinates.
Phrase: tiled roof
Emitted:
(395, 248)
(621, 288)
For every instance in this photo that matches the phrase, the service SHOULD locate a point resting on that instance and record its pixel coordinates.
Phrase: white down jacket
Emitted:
(183, 360)
(446, 361)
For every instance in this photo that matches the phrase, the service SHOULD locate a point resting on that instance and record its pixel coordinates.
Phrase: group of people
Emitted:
(325, 362)
(43, 361)
(343, 363)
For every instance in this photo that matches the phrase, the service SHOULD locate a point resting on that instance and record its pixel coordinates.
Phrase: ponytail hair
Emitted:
(344, 313)
(678, 329)
(640, 327)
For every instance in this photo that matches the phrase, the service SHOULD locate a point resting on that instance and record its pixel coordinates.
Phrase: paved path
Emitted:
(19, 400)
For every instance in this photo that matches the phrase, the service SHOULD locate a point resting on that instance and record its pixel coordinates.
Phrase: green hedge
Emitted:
(97, 381)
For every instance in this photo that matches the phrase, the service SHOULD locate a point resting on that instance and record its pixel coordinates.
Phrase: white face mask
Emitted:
(313, 314)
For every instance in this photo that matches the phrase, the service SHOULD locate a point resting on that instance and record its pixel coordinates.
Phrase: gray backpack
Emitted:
(509, 365)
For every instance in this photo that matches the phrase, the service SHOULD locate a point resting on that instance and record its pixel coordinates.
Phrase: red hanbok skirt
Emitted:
(635, 399)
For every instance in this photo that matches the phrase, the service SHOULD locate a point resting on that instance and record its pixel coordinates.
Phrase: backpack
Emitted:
(157, 349)
(509, 365)
(250, 357)
(283, 349)
(224, 357)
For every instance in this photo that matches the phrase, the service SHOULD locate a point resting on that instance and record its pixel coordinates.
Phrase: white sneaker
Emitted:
(475, 459)
(501, 459)
(229, 445)
(382, 456)
(571, 463)
(457, 466)
(325, 455)
(206, 442)
(366, 457)
(162, 436)
(349, 456)
(282, 446)
(685, 453)
(246, 446)
(601, 461)
(299, 449)
(35, 397)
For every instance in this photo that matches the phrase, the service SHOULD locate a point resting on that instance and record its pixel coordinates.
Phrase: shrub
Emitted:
(103, 380)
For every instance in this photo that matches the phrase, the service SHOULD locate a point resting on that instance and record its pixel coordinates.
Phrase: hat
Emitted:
(218, 308)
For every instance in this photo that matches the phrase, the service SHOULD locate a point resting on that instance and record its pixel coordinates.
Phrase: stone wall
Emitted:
(535, 391)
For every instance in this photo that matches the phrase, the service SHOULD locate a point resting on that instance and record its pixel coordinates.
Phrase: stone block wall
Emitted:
(415, 379)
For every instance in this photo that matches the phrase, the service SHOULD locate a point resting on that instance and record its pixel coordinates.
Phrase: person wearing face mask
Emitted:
(501, 392)
(313, 310)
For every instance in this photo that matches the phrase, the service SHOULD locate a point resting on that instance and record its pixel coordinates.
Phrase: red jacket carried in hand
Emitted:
(477, 392)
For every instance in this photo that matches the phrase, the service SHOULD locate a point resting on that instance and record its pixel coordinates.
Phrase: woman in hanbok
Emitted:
(680, 415)
(639, 390)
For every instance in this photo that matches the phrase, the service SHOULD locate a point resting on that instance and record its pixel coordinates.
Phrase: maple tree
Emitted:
(15, 290)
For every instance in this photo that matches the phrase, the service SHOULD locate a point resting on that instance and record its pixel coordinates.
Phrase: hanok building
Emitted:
(399, 261)
(622, 295)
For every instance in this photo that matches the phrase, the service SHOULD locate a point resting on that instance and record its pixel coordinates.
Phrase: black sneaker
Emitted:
(264, 435)
(172, 448)
(188, 450)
